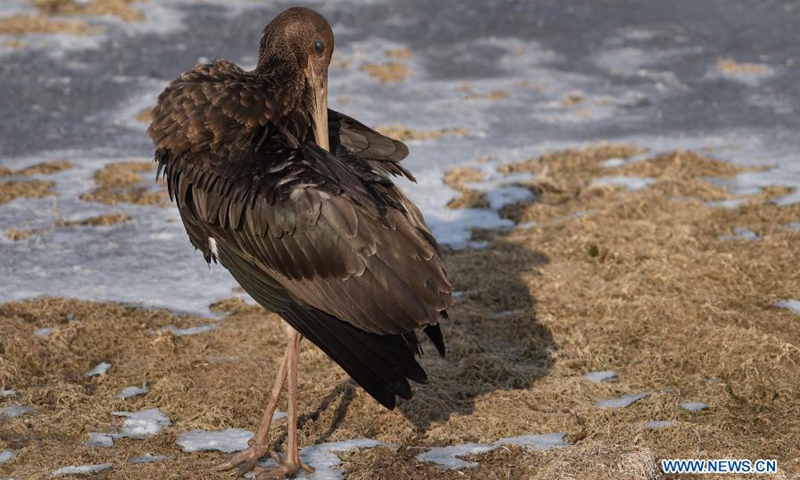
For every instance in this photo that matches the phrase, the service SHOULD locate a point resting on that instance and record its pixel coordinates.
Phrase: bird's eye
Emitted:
(319, 47)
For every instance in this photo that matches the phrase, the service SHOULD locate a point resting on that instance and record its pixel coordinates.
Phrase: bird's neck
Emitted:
(291, 97)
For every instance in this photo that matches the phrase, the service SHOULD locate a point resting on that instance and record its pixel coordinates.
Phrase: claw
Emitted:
(245, 461)
(281, 472)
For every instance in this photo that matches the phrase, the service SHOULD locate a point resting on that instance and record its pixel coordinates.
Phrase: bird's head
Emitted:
(300, 37)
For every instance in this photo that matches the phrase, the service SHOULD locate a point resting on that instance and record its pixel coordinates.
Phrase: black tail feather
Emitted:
(435, 334)
(380, 364)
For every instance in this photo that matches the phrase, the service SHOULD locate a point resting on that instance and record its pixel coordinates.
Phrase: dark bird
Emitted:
(297, 202)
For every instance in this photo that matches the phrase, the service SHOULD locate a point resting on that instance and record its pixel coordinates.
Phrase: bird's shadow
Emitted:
(494, 341)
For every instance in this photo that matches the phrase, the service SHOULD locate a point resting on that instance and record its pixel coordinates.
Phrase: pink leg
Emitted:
(259, 444)
(292, 464)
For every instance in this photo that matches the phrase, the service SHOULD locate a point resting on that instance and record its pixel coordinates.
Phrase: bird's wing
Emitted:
(213, 107)
(355, 250)
(349, 137)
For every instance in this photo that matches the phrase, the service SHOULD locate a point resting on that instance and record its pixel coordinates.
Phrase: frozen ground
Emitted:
(81, 469)
(623, 401)
(660, 76)
(447, 457)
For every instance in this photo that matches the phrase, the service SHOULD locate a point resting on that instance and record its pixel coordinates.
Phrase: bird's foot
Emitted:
(246, 460)
(283, 471)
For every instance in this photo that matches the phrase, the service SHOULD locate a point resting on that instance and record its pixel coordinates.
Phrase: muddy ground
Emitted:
(652, 283)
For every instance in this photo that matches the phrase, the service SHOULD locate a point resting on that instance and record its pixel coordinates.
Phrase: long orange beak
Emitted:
(317, 75)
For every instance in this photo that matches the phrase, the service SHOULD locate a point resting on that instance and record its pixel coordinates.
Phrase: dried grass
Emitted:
(457, 179)
(732, 67)
(122, 9)
(145, 116)
(402, 133)
(17, 235)
(14, 44)
(573, 99)
(104, 220)
(399, 53)
(492, 95)
(22, 24)
(121, 183)
(46, 168)
(24, 189)
(390, 72)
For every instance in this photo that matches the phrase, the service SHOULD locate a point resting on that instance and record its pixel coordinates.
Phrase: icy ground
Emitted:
(650, 77)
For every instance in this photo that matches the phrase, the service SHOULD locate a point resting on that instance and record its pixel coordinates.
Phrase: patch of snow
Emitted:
(694, 406)
(14, 411)
(454, 227)
(8, 393)
(527, 225)
(793, 226)
(602, 376)
(100, 440)
(81, 469)
(7, 456)
(9, 8)
(99, 369)
(447, 457)
(129, 392)
(740, 233)
(660, 424)
(324, 459)
(508, 195)
(43, 332)
(149, 458)
(631, 61)
(787, 173)
(278, 415)
(539, 442)
(143, 424)
(631, 183)
(731, 204)
(623, 401)
(793, 305)
(613, 162)
(84, 262)
(228, 441)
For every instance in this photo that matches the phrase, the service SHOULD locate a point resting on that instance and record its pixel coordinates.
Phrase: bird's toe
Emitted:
(283, 470)
(246, 460)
